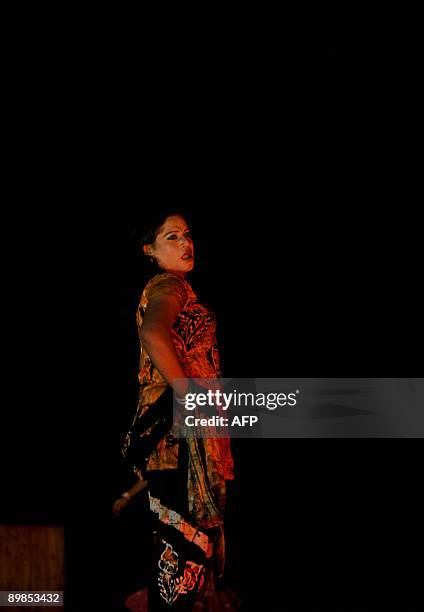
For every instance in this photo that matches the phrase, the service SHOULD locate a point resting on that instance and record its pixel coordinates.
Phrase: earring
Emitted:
(152, 259)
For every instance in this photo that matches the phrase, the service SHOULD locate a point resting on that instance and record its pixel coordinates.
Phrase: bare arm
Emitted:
(160, 315)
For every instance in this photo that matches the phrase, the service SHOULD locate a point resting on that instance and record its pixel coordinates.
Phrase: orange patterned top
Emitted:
(194, 337)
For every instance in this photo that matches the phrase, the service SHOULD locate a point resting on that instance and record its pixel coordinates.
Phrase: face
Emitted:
(173, 247)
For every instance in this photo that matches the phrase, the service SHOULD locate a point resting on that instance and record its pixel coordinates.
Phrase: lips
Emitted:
(187, 255)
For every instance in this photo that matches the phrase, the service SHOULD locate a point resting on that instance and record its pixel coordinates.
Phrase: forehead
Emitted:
(174, 222)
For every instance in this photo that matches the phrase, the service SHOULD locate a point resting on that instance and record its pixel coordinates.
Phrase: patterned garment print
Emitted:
(172, 586)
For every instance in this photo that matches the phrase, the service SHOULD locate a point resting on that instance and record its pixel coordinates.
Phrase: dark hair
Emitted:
(148, 227)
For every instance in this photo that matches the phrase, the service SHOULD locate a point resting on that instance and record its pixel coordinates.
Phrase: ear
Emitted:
(147, 250)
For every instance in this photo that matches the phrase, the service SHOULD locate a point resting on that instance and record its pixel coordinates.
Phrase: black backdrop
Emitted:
(302, 209)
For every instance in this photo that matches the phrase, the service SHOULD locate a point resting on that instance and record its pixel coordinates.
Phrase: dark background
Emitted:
(296, 164)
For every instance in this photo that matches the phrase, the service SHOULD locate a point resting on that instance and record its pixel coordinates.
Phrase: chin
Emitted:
(182, 269)
(188, 267)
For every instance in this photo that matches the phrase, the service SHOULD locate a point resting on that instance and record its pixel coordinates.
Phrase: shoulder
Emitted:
(167, 284)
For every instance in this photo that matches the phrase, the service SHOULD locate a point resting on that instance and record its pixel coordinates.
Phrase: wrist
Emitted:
(181, 388)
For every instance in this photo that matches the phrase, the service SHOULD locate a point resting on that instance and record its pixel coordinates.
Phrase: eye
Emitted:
(172, 237)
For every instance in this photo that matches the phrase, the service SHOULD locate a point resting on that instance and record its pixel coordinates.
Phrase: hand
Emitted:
(119, 505)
